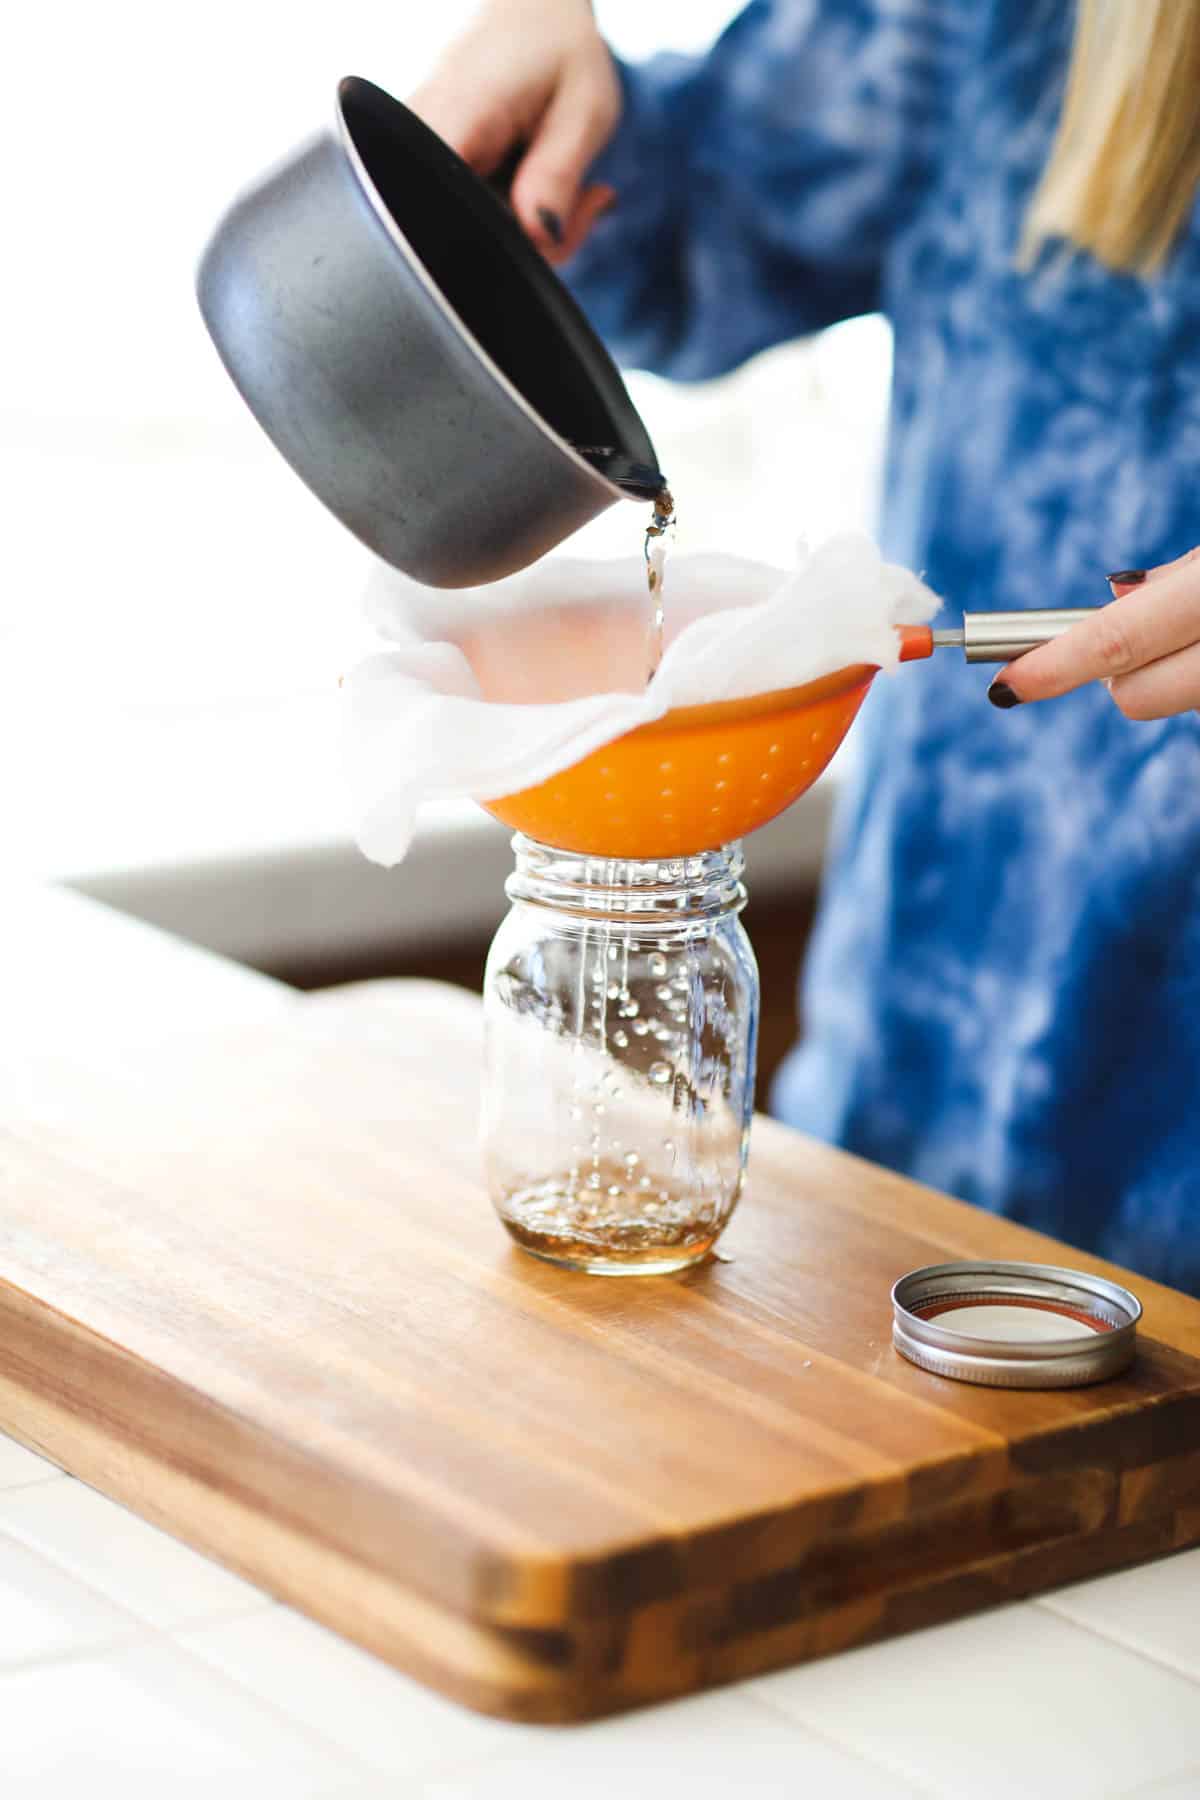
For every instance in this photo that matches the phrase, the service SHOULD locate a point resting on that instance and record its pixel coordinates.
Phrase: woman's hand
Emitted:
(1145, 647)
(534, 73)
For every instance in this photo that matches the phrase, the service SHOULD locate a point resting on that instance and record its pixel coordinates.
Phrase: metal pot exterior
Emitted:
(365, 378)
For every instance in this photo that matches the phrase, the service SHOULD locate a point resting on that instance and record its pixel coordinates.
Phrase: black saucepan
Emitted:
(412, 355)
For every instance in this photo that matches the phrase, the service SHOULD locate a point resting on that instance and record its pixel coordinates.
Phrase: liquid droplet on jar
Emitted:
(621, 1039)
(631, 1160)
(614, 990)
(640, 1027)
(664, 994)
(658, 964)
(661, 1073)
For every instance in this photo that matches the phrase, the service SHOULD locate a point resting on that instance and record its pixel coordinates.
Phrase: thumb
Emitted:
(482, 134)
(575, 127)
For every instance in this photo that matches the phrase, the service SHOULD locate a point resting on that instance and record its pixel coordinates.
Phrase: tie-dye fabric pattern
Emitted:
(1003, 995)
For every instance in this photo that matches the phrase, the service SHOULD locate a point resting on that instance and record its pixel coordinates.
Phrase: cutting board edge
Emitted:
(653, 1654)
(559, 1592)
(66, 1426)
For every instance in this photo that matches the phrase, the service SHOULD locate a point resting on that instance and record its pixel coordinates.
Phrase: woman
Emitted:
(1003, 993)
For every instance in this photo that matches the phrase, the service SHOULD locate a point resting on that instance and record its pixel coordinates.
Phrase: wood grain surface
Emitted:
(251, 1285)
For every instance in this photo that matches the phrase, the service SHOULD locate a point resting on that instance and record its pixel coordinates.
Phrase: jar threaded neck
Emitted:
(678, 888)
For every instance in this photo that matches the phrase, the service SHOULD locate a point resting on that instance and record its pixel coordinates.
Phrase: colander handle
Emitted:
(998, 637)
(916, 641)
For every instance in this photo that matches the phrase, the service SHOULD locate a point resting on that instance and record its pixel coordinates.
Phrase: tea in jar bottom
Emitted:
(621, 1006)
(613, 1232)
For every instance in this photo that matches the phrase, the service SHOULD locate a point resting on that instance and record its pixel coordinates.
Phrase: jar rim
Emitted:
(674, 888)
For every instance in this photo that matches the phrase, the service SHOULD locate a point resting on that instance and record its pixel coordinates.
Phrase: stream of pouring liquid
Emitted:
(656, 556)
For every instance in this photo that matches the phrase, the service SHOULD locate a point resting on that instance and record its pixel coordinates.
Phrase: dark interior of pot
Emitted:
(502, 290)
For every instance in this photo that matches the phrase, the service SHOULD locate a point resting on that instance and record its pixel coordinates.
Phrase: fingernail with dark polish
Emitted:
(551, 224)
(1126, 577)
(1000, 694)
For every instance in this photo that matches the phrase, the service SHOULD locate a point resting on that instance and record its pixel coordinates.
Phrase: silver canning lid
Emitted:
(1014, 1325)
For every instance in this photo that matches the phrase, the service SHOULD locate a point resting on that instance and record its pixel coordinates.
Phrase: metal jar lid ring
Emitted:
(1014, 1325)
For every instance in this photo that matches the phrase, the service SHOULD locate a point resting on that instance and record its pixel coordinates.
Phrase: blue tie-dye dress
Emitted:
(1003, 994)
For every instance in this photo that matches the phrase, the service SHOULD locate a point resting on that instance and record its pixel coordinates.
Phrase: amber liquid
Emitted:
(607, 1219)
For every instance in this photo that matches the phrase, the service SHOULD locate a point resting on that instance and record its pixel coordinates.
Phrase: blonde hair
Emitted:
(1126, 161)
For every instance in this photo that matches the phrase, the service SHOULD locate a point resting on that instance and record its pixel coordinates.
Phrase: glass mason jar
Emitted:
(621, 1018)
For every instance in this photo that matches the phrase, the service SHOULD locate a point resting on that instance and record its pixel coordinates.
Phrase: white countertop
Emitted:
(131, 1666)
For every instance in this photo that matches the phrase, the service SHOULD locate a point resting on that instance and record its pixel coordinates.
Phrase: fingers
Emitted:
(1161, 689)
(1134, 577)
(1151, 620)
(482, 136)
(594, 202)
(486, 141)
(575, 127)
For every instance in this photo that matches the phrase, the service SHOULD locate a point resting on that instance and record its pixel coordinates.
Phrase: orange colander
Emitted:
(701, 775)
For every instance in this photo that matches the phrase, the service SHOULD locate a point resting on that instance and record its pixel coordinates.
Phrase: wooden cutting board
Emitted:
(250, 1284)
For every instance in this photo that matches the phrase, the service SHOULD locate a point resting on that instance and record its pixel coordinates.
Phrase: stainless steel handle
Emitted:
(996, 637)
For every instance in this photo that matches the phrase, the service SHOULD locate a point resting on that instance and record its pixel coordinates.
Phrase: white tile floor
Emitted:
(1155, 1610)
(142, 1569)
(308, 1673)
(150, 1719)
(715, 1745)
(1079, 1715)
(45, 1613)
(19, 1467)
(1175, 1787)
(132, 1666)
